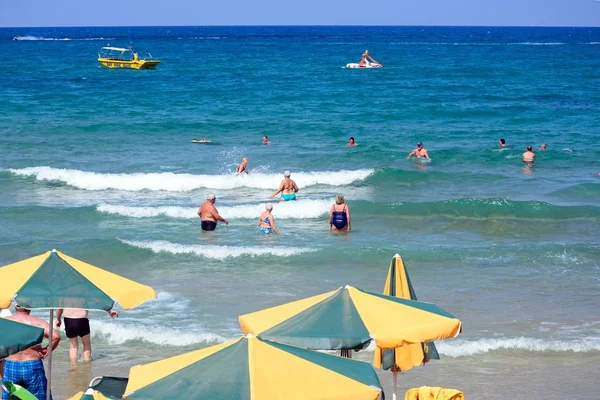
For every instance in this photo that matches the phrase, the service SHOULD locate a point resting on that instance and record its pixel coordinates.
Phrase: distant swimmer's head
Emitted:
(245, 159)
(287, 174)
(502, 141)
(543, 147)
(351, 140)
(269, 207)
(420, 144)
(211, 197)
(339, 199)
(529, 148)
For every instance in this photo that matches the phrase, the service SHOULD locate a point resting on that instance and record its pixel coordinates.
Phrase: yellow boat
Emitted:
(118, 57)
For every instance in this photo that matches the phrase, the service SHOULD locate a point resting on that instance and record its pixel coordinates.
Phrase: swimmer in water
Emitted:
(265, 140)
(209, 215)
(339, 215)
(529, 156)
(243, 167)
(351, 142)
(502, 142)
(419, 152)
(266, 221)
(287, 188)
(203, 139)
(543, 147)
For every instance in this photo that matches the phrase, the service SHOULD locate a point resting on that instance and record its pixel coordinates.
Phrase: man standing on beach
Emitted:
(529, 156)
(209, 214)
(287, 188)
(26, 368)
(77, 325)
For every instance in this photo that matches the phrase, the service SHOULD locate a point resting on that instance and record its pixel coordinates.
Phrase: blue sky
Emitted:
(299, 12)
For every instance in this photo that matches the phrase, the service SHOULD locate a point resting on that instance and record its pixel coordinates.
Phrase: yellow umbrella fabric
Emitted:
(250, 368)
(90, 394)
(433, 393)
(412, 355)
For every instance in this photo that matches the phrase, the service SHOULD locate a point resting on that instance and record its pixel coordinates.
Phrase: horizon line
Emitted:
(300, 26)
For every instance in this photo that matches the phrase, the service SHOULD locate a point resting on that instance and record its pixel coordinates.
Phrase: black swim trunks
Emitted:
(77, 327)
(209, 225)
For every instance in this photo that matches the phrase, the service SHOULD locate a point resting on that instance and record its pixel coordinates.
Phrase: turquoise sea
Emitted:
(98, 164)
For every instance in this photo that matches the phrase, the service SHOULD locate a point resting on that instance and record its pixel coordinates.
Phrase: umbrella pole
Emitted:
(48, 390)
(395, 376)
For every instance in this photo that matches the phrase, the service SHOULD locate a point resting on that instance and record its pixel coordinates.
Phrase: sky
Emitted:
(49, 13)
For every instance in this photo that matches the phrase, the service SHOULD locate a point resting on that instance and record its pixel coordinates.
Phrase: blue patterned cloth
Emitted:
(29, 374)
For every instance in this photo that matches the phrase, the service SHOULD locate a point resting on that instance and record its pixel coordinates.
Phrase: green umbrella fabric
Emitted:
(18, 392)
(16, 337)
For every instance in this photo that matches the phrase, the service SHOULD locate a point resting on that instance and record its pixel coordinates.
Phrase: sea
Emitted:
(98, 163)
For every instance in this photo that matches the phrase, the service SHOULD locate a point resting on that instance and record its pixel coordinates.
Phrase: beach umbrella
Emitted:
(402, 358)
(17, 391)
(90, 394)
(103, 388)
(251, 368)
(349, 318)
(54, 280)
(16, 337)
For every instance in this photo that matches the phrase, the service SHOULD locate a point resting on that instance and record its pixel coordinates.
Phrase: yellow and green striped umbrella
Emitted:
(349, 318)
(90, 394)
(54, 280)
(403, 358)
(251, 368)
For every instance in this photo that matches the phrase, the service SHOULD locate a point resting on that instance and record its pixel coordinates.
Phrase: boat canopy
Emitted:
(115, 48)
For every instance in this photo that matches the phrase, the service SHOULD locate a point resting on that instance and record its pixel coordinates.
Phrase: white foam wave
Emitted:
(168, 181)
(538, 43)
(119, 333)
(30, 37)
(302, 209)
(216, 252)
(460, 348)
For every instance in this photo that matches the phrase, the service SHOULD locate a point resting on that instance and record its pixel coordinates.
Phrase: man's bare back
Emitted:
(529, 156)
(207, 211)
(34, 353)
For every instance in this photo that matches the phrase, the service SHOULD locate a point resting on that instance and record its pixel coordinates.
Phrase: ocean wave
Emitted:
(216, 252)
(461, 348)
(168, 181)
(35, 38)
(483, 208)
(301, 209)
(119, 333)
(537, 43)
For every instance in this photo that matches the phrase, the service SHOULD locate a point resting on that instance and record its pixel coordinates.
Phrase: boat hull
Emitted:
(367, 66)
(140, 64)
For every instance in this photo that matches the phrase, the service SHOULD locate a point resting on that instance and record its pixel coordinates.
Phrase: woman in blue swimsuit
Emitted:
(339, 216)
(266, 222)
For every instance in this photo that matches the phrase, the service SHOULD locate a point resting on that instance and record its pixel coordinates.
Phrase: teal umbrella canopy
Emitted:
(16, 337)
